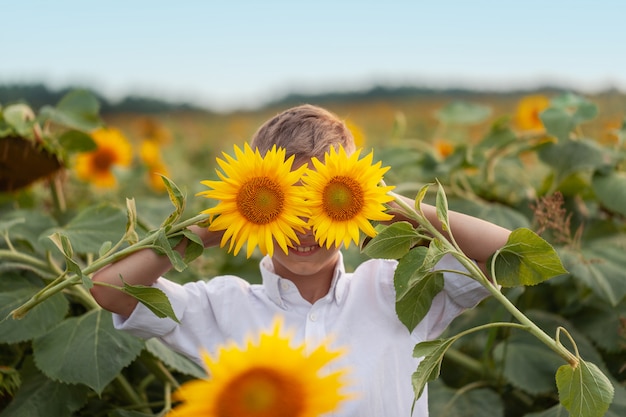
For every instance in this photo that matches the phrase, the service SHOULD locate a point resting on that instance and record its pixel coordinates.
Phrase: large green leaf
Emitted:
(585, 391)
(416, 286)
(77, 141)
(528, 364)
(601, 266)
(92, 226)
(86, 350)
(79, 109)
(393, 241)
(531, 365)
(526, 259)
(558, 122)
(610, 190)
(571, 156)
(602, 323)
(448, 402)
(32, 224)
(174, 360)
(153, 298)
(40, 396)
(15, 290)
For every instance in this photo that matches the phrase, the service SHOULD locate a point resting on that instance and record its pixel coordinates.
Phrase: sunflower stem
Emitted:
(477, 274)
(61, 282)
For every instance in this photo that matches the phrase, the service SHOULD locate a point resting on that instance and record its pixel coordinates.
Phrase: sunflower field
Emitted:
(80, 190)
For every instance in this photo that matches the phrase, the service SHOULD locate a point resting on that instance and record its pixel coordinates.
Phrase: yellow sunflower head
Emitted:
(113, 149)
(528, 111)
(266, 378)
(357, 133)
(259, 201)
(443, 147)
(344, 195)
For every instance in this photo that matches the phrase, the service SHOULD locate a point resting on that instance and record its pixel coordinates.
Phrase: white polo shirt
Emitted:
(358, 313)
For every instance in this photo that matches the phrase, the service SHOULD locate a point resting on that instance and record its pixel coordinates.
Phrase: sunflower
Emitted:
(259, 202)
(528, 110)
(266, 378)
(443, 147)
(113, 149)
(150, 154)
(357, 133)
(344, 195)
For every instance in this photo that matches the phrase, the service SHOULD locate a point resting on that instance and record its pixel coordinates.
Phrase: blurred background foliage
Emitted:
(549, 160)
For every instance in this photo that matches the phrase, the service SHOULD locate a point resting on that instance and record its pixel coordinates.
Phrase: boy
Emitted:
(309, 288)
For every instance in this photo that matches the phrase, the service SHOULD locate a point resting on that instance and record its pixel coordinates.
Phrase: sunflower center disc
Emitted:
(261, 392)
(260, 200)
(103, 159)
(343, 198)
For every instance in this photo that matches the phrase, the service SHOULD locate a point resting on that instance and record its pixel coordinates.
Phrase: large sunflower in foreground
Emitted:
(344, 195)
(266, 378)
(113, 149)
(259, 202)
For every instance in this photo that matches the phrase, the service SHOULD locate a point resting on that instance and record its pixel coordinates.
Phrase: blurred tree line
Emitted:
(38, 95)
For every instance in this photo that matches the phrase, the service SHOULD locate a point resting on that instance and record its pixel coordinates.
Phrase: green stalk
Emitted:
(60, 284)
(477, 274)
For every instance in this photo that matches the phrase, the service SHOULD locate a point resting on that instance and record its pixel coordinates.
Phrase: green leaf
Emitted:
(416, 286)
(393, 241)
(165, 246)
(463, 113)
(558, 123)
(580, 108)
(15, 290)
(28, 231)
(610, 191)
(178, 200)
(441, 204)
(92, 226)
(174, 360)
(40, 396)
(131, 221)
(428, 369)
(572, 156)
(78, 109)
(448, 402)
(584, 390)
(86, 350)
(526, 259)
(63, 243)
(600, 266)
(153, 298)
(194, 248)
(420, 197)
(20, 117)
(529, 364)
(77, 141)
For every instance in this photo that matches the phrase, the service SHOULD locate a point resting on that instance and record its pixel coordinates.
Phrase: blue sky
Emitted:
(239, 54)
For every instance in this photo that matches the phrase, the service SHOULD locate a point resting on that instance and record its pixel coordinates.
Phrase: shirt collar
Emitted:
(272, 281)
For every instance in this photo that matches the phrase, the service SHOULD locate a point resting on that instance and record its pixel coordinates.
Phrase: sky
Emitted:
(227, 55)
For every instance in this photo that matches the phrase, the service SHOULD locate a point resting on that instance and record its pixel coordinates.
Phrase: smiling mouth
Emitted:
(305, 249)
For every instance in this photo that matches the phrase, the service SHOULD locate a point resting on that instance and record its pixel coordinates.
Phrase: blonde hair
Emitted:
(305, 131)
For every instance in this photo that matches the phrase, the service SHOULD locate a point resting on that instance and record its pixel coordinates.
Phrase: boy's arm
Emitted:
(477, 238)
(143, 267)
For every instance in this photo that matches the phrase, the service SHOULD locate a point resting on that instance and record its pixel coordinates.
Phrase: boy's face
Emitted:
(308, 259)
